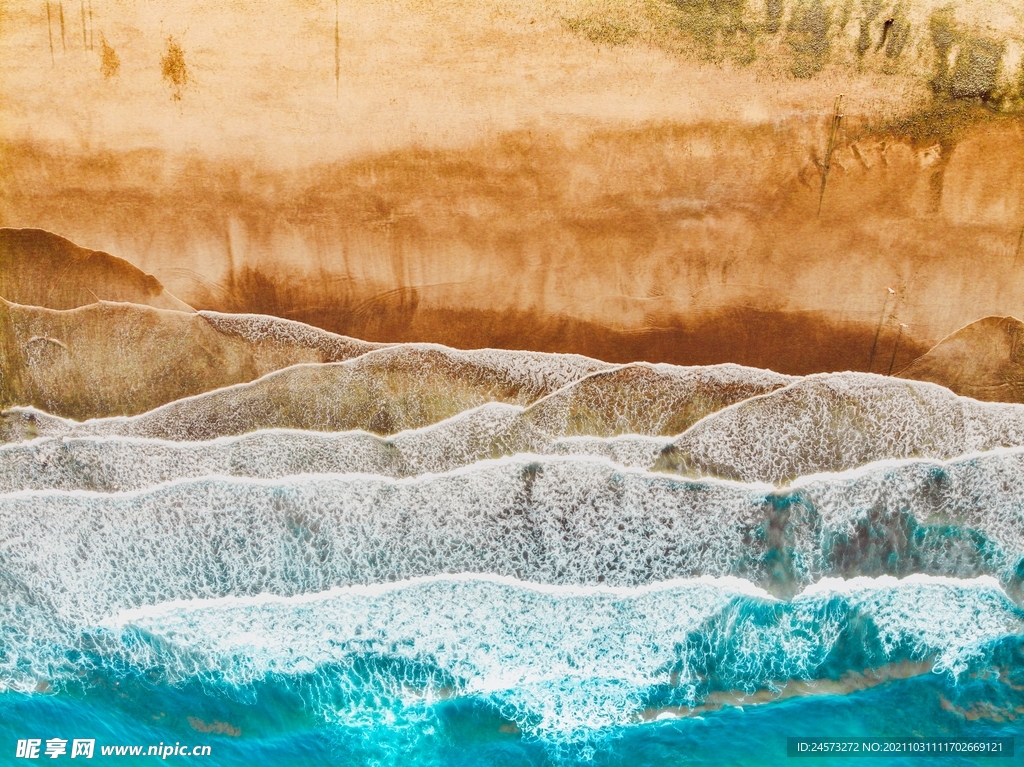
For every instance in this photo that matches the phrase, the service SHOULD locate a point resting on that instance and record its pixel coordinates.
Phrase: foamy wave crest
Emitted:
(821, 423)
(562, 663)
(628, 450)
(263, 331)
(840, 421)
(110, 464)
(632, 400)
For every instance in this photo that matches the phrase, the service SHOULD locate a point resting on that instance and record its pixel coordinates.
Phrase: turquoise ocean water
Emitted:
(274, 727)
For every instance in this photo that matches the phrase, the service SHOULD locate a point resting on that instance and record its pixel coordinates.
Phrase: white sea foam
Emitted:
(552, 520)
(559, 520)
(976, 492)
(840, 421)
(727, 584)
(848, 586)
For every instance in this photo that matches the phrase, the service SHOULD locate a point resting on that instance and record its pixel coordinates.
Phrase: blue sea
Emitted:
(614, 680)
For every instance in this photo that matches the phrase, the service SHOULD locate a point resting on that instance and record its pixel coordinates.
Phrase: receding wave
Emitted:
(981, 360)
(568, 398)
(652, 400)
(382, 391)
(111, 464)
(41, 268)
(474, 401)
(837, 422)
(109, 359)
(560, 662)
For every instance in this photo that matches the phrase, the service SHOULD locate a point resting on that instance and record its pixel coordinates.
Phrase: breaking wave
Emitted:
(560, 662)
